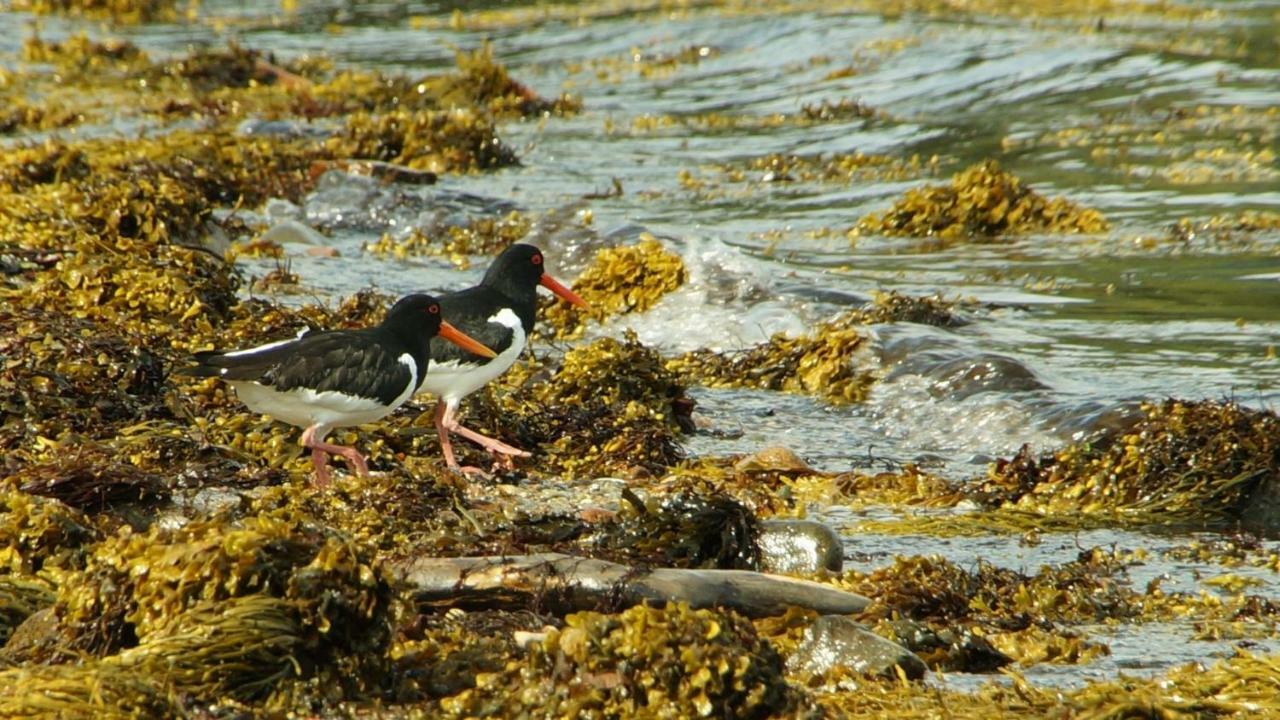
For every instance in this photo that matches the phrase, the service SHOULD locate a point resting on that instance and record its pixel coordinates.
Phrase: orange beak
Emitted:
(554, 286)
(464, 341)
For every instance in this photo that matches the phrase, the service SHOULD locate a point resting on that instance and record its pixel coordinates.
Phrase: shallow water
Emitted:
(1134, 119)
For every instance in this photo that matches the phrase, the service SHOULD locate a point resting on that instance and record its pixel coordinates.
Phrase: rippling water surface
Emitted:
(1150, 118)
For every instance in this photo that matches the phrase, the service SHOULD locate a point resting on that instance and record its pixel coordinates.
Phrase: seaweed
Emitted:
(619, 281)
(825, 363)
(37, 533)
(610, 406)
(1200, 462)
(458, 140)
(983, 201)
(643, 662)
(683, 530)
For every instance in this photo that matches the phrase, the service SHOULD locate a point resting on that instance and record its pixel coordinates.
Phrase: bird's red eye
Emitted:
(434, 309)
(536, 259)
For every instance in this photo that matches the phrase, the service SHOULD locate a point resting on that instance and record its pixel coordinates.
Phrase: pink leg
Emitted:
(313, 437)
(320, 459)
(494, 446)
(446, 445)
(447, 421)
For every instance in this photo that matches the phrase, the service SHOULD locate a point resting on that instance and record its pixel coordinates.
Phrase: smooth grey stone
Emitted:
(564, 583)
(799, 546)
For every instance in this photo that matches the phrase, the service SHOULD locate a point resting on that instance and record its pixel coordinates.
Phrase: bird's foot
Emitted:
(503, 462)
(357, 461)
(471, 471)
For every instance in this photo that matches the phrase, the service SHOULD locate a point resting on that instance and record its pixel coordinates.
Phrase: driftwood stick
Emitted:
(564, 583)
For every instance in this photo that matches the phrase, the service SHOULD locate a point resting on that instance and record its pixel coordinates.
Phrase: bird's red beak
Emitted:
(554, 286)
(464, 341)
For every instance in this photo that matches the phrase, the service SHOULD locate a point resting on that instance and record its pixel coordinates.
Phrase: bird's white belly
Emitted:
(305, 407)
(451, 381)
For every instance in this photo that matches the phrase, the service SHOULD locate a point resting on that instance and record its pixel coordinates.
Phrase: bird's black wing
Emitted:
(346, 361)
(469, 310)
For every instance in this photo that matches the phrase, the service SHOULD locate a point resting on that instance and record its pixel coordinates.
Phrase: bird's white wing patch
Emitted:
(508, 317)
(260, 348)
(453, 380)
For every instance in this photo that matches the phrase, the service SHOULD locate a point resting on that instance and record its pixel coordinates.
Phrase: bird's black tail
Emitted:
(207, 365)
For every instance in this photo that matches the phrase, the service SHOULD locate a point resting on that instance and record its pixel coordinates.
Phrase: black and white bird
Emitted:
(499, 312)
(336, 378)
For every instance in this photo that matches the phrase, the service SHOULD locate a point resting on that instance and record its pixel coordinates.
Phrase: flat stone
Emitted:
(799, 546)
(838, 642)
(774, 459)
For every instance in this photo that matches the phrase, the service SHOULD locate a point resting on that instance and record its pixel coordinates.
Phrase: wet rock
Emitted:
(284, 129)
(1262, 513)
(838, 642)
(948, 650)
(204, 502)
(292, 231)
(563, 583)
(773, 459)
(34, 637)
(799, 546)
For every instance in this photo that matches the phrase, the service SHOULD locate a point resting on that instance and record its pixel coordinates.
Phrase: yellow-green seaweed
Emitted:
(982, 201)
(828, 363)
(621, 280)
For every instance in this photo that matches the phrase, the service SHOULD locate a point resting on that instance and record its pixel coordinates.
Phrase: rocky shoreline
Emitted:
(161, 552)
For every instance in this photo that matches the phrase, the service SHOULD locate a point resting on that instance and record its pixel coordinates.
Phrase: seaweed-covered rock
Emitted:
(611, 406)
(684, 531)
(1091, 589)
(1199, 461)
(482, 236)
(946, 649)
(645, 663)
(619, 281)
(138, 585)
(482, 82)
(982, 201)
(37, 533)
(893, 306)
(20, 598)
(121, 11)
(459, 140)
(829, 363)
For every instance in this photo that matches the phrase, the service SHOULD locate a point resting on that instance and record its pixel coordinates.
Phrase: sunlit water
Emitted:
(1068, 335)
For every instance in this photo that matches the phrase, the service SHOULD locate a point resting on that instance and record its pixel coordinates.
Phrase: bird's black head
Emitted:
(418, 314)
(516, 272)
(415, 319)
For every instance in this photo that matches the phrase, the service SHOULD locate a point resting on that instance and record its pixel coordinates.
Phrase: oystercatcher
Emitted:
(499, 312)
(323, 380)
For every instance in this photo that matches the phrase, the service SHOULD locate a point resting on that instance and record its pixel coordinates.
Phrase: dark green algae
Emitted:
(283, 603)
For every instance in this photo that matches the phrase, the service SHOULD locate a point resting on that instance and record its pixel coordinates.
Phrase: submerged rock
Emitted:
(834, 642)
